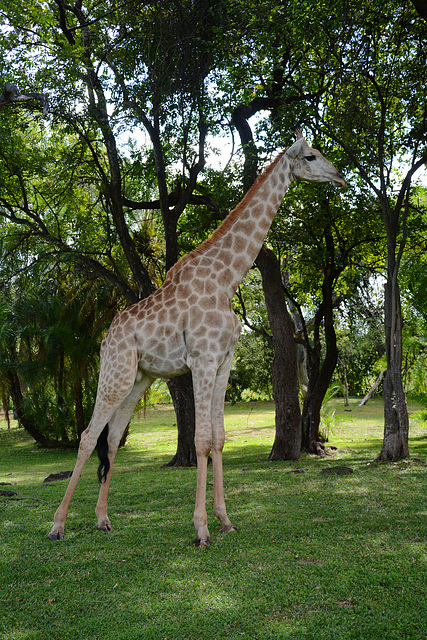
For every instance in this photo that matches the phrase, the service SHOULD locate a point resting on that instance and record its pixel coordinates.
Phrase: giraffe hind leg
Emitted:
(113, 392)
(109, 441)
(87, 445)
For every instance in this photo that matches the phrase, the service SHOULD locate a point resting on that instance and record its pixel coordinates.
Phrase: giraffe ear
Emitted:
(295, 149)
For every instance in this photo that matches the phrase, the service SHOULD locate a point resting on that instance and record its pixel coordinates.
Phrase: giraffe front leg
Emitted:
(200, 519)
(218, 438)
(204, 374)
(219, 499)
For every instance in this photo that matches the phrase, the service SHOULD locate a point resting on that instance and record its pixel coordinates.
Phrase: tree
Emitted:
(326, 236)
(381, 94)
(179, 71)
(362, 71)
(115, 71)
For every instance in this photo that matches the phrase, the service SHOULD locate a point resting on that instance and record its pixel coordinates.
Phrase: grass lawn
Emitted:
(317, 556)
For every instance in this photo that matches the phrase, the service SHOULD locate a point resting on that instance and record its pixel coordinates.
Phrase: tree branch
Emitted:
(11, 95)
(262, 332)
(173, 199)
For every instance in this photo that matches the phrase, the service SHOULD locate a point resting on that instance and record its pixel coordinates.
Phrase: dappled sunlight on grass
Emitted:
(22, 634)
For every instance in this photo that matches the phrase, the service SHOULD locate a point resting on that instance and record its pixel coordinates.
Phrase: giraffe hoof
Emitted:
(55, 535)
(105, 527)
(202, 542)
(228, 529)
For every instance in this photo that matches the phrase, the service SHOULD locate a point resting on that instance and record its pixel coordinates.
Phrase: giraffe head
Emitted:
(309, 164)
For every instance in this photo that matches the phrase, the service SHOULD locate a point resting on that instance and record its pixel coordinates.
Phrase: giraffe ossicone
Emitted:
(188, 324)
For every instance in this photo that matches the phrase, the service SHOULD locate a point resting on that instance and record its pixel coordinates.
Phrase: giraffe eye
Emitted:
(310, 158)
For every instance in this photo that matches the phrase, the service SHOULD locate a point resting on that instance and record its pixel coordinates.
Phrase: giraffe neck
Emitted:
(236, 243)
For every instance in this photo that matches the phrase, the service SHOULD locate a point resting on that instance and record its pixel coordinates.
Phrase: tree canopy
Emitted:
(109, 120)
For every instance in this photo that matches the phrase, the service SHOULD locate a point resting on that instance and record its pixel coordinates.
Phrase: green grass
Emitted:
(316, 557)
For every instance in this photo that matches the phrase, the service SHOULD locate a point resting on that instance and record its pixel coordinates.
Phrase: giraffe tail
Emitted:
(102, 451)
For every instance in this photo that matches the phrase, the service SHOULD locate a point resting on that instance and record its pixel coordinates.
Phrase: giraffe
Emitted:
(188, 324)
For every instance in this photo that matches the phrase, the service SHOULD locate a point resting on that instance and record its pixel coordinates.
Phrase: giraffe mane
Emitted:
(229, 220)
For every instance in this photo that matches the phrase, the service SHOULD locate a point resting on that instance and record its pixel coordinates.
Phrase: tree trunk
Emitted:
(319, 380)
(181, 390)
(320, 375)
(310, 419)
(287, 442)
(396, 421)
(372, 389)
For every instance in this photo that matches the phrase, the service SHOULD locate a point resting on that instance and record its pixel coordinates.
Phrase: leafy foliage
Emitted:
(79, 190)
(50, 344)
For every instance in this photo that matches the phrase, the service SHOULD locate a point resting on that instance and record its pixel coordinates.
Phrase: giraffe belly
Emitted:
(164, 359)
(159, 369)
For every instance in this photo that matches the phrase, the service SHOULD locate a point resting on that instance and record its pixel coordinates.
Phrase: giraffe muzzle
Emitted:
(339, 181)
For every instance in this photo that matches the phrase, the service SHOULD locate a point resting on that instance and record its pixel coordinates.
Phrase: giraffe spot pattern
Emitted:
(199, 332)
(193, 299)
(227, 242)
(258, 236)
(239, 244)
(214, 318)
(208, 302)
(227, 274)
(240, 263)
(196, 316)
(250, 227)
(259, 210)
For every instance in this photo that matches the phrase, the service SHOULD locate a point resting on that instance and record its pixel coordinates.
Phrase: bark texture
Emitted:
(396, 421)
(181, 390)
